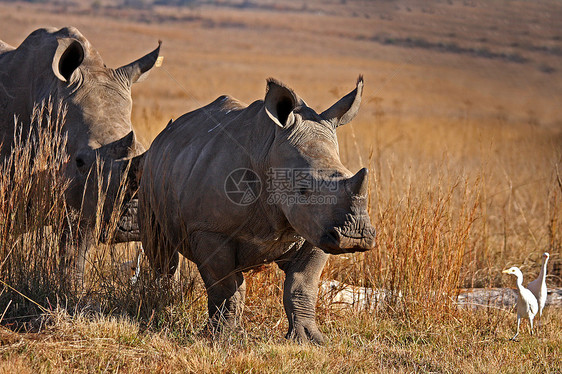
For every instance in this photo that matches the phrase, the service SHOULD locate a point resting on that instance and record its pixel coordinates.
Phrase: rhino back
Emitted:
(188, 163)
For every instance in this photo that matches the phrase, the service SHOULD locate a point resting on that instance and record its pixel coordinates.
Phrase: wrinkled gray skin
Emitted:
(61, 65)
(183, 206)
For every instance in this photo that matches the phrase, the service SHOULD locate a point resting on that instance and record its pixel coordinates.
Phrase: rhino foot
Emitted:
(306, 333)
(302, 274)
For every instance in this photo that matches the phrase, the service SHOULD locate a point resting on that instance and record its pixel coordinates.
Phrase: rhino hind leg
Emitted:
(225, 301)
(302, 274)
(226, 287)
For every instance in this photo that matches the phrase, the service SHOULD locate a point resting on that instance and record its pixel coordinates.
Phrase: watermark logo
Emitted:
(242, 186)
(284, 198)
(285, 186)
(293, 186)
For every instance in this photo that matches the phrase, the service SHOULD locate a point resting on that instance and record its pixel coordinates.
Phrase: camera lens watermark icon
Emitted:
(242, 186)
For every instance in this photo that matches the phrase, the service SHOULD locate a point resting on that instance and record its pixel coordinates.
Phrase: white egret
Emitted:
(538, 286)
(527, 305)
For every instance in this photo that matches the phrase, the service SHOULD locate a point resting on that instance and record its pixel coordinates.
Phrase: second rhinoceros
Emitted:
(62, 67)
(232, 187)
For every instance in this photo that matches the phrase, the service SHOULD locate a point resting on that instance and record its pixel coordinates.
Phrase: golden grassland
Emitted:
(361, 344)
(461, 129)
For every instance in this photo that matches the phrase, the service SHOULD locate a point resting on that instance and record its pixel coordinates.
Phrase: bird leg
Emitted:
(518, 323)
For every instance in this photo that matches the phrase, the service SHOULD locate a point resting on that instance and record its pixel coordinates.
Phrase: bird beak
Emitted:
(505, 271)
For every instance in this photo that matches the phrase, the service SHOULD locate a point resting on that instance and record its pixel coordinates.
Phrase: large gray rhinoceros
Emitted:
(232, 187)
(62, 66)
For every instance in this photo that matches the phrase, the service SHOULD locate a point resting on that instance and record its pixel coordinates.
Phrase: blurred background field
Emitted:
(460, 126)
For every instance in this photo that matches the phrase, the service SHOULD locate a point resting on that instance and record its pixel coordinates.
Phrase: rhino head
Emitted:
(97, 97)
(98, 121)
(323, 201)
(104, 179)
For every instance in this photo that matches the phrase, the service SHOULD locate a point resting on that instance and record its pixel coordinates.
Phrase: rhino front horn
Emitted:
(119, 148)
(358, 185)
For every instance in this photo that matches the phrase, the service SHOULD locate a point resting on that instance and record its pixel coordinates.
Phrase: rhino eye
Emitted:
(302, 191)
(80, 162)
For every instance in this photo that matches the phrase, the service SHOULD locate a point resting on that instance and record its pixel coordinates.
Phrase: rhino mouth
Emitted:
(338, 240)
(127, 229)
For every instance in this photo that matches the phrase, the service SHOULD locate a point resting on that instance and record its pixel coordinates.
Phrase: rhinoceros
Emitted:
(232, 187)
(61, 66)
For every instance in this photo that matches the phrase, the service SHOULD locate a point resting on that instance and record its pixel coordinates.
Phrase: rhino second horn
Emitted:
(358, 185)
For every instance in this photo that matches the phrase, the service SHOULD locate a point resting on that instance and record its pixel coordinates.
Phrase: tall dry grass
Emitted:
(444, 221)
(33, 214)
(41, 236)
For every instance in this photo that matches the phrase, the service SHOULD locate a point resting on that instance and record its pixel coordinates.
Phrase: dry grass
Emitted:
(465, 160)
(475, 343)
(32, 213)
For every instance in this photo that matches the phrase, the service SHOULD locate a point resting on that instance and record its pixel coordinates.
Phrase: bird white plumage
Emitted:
(538, 286)
(527, 305)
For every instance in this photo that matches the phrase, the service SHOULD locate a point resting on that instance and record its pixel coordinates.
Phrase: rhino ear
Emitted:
(117, 149)
(138, 70)
(68, 57)
(346, 108)
(280, 101)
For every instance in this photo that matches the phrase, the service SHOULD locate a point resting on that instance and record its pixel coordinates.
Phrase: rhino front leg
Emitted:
(226, 287)
(302, 274)
(73, 253)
